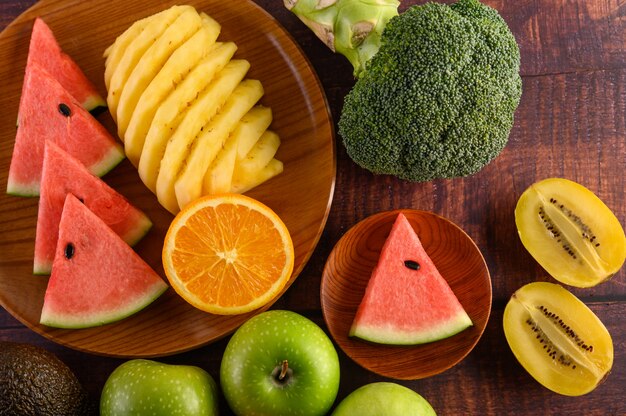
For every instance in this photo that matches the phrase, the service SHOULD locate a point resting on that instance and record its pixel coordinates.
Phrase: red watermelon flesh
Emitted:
(63, 174)
(403, 304)
(45, 51)
(48, 112)
(96, 277)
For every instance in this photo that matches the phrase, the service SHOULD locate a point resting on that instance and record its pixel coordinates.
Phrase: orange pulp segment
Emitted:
(228, 254)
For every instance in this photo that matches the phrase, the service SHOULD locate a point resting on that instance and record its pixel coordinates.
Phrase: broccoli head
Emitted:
(437, 99)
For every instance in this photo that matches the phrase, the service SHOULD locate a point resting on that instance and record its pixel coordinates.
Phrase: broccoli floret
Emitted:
(437, 100)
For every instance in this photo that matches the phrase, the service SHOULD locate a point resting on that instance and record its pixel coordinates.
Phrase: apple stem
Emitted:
(282, 375)
(283, 370)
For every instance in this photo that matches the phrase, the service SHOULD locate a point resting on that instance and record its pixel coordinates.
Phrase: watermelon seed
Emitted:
(65, 110)
(69, 251)
(412, 264)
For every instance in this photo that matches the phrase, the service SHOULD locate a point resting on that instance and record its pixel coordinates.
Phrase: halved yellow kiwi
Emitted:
(571, 233)
(557, 338)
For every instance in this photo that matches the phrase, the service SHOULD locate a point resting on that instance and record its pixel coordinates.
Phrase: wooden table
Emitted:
(571, 123)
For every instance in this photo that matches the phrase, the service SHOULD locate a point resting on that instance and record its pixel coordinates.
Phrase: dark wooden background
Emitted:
(571, 123)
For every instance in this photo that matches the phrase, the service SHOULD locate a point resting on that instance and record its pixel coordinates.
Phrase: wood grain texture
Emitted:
(347, 273)
(573, 67)
(301, 195)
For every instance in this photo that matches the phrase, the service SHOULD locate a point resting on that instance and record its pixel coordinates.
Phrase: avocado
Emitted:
(33, 381)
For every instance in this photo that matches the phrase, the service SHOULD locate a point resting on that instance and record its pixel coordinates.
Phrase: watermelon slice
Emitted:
(407, 301)
(96, 277)
(48, 112)
(45, 51)
(63, 174)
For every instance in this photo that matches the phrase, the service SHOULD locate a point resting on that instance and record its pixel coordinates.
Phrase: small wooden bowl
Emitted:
(350, 266)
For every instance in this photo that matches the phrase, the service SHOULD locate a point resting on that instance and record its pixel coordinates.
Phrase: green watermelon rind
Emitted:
(109, 162)
(26, 191)
(94, 104)
(136, 234)
(42, 269)
(105, 165)
(399, 336)
(49, 318)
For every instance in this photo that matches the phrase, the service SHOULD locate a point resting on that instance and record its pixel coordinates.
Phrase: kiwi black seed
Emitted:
(566, 328)
(556, 233)
(552, 350)
(585, 231)
(548, 346)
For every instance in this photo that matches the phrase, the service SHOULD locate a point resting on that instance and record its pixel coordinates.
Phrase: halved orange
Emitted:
(228, 254)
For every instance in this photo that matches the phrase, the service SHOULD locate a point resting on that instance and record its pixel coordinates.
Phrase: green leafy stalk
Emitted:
(352, 28)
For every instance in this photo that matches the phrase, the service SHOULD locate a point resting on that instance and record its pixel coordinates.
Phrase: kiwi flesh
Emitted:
(557, 338)
(571, 233)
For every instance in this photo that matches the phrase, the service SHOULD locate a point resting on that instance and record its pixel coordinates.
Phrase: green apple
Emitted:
(145, 387)
(280, 363)
(384, 399)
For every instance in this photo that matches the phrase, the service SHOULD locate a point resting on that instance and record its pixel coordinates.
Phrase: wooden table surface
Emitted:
(571, 123)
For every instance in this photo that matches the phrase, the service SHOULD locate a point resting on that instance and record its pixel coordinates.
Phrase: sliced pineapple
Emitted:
(258, 157)
(259, 165)
(219, 176)
(172, 111)
(115, 52)
(135, 51)
(249, 180)
(206, 146)
(195, 120)
(252, 127)
(179, 64)
(188, 121)
(184, 27)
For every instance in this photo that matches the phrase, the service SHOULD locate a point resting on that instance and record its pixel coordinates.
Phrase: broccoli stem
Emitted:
(350, 27)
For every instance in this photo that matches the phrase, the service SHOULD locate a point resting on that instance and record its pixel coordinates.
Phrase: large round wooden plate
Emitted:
(350, 266)
(301, 195)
